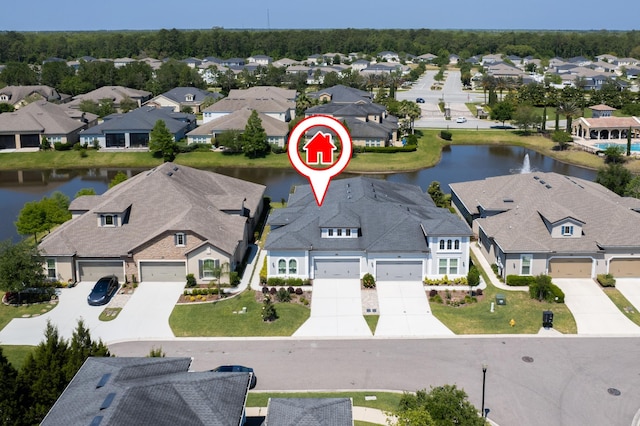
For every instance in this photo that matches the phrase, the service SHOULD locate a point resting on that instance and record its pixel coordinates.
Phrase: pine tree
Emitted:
(8, 375)
(82, 347)
(254, 137)
(268, 310)
(161, 142)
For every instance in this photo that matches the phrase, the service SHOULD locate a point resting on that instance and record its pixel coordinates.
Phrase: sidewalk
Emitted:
(363, 414)
(487, 268)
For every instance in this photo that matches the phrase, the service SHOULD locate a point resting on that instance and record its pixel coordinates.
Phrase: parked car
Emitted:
(461, 120)
(103, 290)
(420, 101)
(238, 369)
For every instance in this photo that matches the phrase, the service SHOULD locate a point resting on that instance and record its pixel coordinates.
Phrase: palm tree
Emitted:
(569, 109)
(218, 272)
(488, 83)
(501, 84)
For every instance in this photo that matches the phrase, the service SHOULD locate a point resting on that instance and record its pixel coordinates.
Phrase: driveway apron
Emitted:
(630, 288)
(336, 310)
(593, 311)
(405, 311)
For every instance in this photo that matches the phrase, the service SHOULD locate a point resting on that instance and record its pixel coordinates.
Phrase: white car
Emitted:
(461, 120)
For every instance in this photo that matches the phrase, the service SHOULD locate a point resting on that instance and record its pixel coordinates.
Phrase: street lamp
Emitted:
(484, 380)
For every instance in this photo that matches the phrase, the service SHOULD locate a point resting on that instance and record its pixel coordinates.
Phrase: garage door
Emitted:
(94, 270)
(570, 268)
(399, 271)
(163, 271)
(337, 268)
(624, 267)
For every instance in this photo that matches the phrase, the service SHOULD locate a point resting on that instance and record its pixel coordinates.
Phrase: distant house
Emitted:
(150, 391)
(360, 64)
(276, 130)
(192, 62)
(427, 57)
(26, 127)
(158, 225)
(272, 101)
(263, 60)
(133, 129)
(181, 98)
(115, 94)
(604, 126)
(285, 62)
(233, 62)
(388, 56)
(18, 96)
(547, 223)
(121, 62)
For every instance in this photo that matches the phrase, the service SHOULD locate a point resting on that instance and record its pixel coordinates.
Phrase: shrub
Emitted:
(436, 299)
(304, 301)
(446, 135)
(273, 290)
(234, 278)
(265, 290)
(283, 295)
(191, 280)
(298, 291)
(368, 281)
(606, 280)
(61, 146)
(520, 280)
(494, 268)
(557, 295)
(479, 292)
(433, 293)
(291, 289)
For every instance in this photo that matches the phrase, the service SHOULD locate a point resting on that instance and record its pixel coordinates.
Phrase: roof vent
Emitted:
(542, 182)
(547, 186)
(536, 177)
(507, 200)
(175, 168)
(107, 401)
(169, 173)
(103, 380)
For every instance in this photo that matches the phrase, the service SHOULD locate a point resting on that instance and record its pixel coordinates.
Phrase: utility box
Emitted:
(547, 319)
(501, 299)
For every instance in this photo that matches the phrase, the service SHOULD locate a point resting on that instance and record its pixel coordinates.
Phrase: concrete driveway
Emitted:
(593, 311)
(405, 311)
(145, 315)
(630, 288)
(336, 310)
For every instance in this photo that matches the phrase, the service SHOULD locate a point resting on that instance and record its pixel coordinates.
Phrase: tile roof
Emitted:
(167, 198)
(40, 117)
(392, 217)
(611, 122)
(309, 412)
(522, 201)
(149, 391)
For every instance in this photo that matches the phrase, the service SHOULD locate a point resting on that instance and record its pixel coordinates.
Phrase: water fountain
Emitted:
(526, 165)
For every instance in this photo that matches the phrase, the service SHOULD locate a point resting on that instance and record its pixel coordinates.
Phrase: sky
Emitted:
(68, 15)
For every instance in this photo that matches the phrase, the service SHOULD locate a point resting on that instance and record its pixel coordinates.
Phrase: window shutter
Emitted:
(200, 268)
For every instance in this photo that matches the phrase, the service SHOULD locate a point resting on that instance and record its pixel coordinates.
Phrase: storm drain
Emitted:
(527, 359)
(614, 391)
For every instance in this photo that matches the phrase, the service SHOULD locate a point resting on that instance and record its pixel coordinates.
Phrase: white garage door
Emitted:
(163, 271)
(94, 270)
(399, 271)
(337, 268)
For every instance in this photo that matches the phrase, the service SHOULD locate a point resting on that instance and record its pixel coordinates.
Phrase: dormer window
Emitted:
(180, 239)
(567, 230)
(108, 220)
(189, 97)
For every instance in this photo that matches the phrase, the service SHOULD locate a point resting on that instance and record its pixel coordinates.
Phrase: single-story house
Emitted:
(115, 94)
(27, 126)
(272, 101)
(180, 98)
(19, 96)
(150, 391)
(546, 223)
(603, 125)
(340, 94)
(393, 231)
(277, 131)
(158, 225)
(133, 129)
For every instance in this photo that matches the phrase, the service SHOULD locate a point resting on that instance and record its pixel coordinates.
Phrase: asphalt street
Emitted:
(530, 380)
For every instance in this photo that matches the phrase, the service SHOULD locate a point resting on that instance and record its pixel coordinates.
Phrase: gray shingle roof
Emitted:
(309, 412)
(150, 391)
(142, 120)
(390, 215)
(179, 94)
(167, 198)
(343, 94)
(525, 199)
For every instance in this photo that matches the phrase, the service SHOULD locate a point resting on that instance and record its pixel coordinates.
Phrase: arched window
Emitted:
(448, 244)
(282, 266)
(456, 244)
(293, 266)
(441, 244)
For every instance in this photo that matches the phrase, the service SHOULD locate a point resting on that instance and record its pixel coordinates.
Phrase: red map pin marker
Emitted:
(319, 150)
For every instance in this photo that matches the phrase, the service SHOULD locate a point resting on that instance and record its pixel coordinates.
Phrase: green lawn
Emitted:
(218, 320)
(623, 304)
(7, 313)
(16, 354)
(385, 401)
(477, 318)
(372, 322)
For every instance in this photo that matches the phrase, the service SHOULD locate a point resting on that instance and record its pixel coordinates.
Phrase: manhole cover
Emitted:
(527, 359)
(613, 391)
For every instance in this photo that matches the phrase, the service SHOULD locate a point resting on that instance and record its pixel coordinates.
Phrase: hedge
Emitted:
(445, 134)
(385, 149)
(558, 295)
(278, 281)
(606, 280)
(520, 280)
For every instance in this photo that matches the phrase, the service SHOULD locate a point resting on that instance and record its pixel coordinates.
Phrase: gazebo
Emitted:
(603, 125)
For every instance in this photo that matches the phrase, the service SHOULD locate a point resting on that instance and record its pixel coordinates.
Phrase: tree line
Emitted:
(34, 47)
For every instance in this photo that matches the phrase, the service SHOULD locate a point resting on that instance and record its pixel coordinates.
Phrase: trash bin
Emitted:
(547, 319)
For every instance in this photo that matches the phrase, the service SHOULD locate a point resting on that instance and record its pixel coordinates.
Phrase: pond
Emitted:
(458, 163)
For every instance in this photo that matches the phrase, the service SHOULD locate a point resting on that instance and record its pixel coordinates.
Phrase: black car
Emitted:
(238, 369)
(104, 289)
(420, 101)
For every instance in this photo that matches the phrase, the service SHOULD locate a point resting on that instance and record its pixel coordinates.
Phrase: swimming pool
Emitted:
(635, 146)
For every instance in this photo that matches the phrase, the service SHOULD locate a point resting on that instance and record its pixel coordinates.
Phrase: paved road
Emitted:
(566, 383)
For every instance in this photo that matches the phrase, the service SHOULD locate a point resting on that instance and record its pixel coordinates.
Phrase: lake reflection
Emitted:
(458, 163)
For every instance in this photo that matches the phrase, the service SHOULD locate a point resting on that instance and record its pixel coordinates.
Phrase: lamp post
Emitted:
(484, 380)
